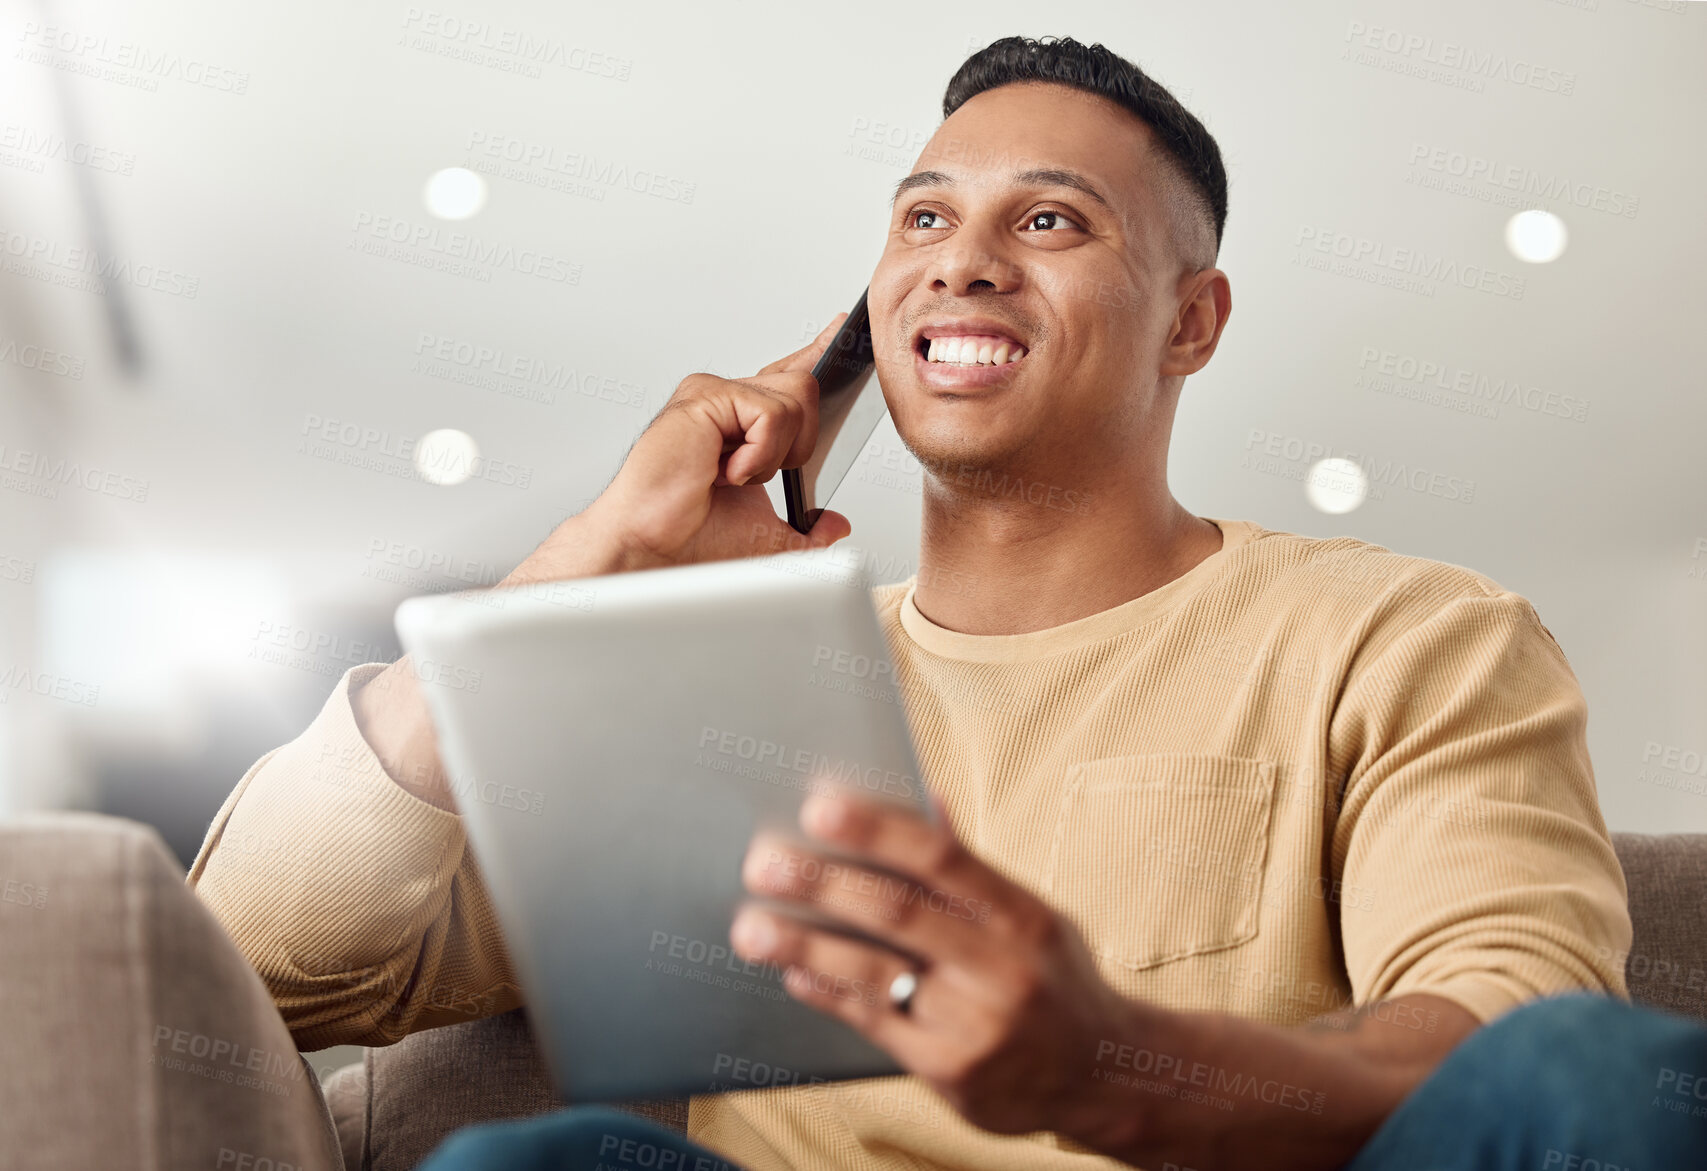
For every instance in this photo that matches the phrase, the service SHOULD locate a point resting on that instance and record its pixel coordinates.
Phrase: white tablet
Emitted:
(613, 743)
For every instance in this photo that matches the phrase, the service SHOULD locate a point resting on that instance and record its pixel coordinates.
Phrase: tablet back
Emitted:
(613, 743)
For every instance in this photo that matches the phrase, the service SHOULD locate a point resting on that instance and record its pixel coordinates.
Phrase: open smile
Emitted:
(966, 355)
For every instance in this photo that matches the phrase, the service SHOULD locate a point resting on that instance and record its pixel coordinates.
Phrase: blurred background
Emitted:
(303, 313)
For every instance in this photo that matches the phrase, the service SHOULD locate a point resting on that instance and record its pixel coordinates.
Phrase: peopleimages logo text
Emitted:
(462, 246)
(1414, 261)
(1425, 50)
(53, 472)
(150, 64)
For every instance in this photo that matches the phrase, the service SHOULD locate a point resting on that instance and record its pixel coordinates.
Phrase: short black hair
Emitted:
(1182, 139)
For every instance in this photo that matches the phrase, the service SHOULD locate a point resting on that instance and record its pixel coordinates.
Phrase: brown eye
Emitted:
(1052, 215)
(913, 217)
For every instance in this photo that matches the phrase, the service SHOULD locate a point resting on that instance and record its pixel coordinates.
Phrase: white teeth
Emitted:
(972, 351)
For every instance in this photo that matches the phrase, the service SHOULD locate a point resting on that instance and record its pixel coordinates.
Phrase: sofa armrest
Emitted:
(136, 1033)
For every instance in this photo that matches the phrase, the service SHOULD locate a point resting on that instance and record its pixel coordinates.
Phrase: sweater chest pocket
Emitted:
(1162, 856)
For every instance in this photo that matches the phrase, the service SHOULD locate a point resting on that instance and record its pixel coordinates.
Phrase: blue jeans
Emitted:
(1570, 1083)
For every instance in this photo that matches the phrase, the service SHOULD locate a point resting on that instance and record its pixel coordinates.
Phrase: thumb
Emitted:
(785, 538)
(828, 529)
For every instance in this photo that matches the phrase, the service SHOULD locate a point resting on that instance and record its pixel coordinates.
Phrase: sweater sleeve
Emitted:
(1469, 814)
(357, 903)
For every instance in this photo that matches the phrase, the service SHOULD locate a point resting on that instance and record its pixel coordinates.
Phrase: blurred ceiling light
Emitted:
(454, 193)
(1335, 485)
(146, 628)
(446, 456)
(1535, 235)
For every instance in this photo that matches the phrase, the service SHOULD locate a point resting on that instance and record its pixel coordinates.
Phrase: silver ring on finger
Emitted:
(902, 989)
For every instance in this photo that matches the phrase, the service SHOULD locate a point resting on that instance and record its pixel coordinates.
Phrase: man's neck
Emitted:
(993, 565)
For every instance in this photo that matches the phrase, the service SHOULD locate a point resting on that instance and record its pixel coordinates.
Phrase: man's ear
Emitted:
(1206, 302)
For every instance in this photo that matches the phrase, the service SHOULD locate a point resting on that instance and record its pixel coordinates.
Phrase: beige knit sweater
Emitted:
(1304, 775)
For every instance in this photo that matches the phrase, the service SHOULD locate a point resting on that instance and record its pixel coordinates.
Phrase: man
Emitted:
(1258, 827)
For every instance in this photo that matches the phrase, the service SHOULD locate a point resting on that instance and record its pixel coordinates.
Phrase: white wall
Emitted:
(769, 111)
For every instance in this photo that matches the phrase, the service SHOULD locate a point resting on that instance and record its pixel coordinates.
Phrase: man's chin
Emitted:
(949, 452)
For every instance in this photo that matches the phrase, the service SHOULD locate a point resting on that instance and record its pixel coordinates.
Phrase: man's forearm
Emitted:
(390, 710)
(1215, 1091)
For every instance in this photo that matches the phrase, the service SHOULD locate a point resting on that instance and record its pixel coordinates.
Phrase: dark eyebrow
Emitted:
(1055, 177)
(920, 179)
(1036, 177)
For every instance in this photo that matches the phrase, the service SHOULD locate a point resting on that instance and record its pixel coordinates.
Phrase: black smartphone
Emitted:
(850, 405)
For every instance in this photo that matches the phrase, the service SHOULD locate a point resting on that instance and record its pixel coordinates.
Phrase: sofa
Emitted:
(138, 1036)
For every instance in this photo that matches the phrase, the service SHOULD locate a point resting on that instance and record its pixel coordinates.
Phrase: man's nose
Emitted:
(976, 259)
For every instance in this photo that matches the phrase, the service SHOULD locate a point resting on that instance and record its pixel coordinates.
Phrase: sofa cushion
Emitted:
(1667, 877)
(347, 1099)
(432, 1083)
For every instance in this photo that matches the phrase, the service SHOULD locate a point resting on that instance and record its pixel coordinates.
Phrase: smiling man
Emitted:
(1195, 769)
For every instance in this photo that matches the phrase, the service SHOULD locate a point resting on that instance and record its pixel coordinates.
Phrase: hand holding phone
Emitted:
(692, 487)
